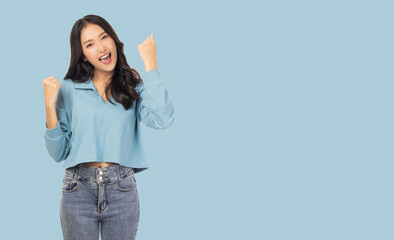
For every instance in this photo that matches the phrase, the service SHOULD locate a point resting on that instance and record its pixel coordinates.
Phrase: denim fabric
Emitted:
(105, 196)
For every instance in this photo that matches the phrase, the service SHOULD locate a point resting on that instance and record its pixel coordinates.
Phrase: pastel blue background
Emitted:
(283, 117)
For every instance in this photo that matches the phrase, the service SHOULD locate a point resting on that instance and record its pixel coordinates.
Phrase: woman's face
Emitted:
(96, 43)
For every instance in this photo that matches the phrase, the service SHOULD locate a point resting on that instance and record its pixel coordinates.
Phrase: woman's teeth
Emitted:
(105, 56)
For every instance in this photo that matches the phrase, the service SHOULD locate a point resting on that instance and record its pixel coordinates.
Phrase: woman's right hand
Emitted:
(51, 90)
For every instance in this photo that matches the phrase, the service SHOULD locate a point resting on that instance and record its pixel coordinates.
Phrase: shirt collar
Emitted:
(85, 85)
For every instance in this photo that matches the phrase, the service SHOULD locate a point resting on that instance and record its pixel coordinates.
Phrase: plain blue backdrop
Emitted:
(283, 117)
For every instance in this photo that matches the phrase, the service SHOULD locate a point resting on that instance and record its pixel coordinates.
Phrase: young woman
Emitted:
(93, 127)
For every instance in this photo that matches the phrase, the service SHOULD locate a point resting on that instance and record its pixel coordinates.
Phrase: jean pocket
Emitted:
(69, 185)
(126, 184)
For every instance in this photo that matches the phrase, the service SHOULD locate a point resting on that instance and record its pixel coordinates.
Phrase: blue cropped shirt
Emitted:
(92, 130)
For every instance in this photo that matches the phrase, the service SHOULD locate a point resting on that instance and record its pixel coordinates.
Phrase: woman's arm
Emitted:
(51, 116)
(155, 107)
(57, 133)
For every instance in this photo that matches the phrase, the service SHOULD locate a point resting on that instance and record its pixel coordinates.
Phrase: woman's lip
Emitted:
(109, 61)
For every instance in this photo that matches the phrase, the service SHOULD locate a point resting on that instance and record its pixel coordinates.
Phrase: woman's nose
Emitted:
(100, 48)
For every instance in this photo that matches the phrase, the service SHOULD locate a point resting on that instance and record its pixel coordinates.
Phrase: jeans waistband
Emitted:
(109, 173)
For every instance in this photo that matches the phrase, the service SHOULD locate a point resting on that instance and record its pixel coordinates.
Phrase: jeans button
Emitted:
(101, 172)
(101, 178)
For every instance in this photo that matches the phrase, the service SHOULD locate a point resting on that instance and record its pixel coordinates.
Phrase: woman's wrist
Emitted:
(150, 67)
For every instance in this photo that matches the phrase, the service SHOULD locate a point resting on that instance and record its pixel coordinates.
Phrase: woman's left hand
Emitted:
(147, 50)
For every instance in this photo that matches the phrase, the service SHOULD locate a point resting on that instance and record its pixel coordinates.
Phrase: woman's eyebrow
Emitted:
(91, 39)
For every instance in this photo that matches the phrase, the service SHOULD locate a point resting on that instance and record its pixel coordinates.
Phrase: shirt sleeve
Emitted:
(58, 139)
(155, 108)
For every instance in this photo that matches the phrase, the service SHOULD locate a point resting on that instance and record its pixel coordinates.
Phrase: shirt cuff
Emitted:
(151, 77)
(55, 132)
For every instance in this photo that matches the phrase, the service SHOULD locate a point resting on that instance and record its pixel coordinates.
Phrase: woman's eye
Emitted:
(102, 38)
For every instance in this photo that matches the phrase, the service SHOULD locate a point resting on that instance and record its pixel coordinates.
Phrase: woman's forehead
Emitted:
(90, 31)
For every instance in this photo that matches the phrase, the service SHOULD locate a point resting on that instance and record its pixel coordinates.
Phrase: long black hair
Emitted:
(124, 80)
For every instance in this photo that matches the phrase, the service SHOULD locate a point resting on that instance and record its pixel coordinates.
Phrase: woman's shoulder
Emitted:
(68, 83)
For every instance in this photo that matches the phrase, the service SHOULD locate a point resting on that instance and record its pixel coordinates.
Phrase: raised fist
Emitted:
(51, 89)
(147, 50)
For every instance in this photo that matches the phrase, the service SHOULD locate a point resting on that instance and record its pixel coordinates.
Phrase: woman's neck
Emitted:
(101, 78)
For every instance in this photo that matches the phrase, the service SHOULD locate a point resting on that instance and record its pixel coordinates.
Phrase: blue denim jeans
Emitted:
(93, 196)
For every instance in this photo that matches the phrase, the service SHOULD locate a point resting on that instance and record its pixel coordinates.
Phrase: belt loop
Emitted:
(76, 171)
(119, 171)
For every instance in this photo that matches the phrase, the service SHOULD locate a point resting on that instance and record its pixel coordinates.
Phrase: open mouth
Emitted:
(106, 59)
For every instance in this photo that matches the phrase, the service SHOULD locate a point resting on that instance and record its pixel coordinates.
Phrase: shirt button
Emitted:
(101, 172)
(101, 178)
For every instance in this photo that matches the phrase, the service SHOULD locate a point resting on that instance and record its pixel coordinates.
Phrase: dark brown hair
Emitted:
(124, 80)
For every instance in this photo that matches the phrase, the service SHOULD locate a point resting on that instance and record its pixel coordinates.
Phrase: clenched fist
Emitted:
(51, 90)
(147, 51)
